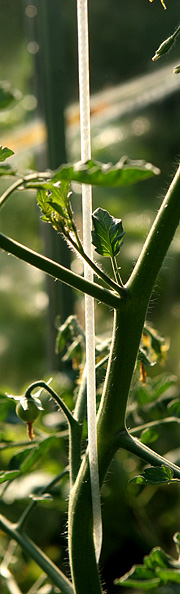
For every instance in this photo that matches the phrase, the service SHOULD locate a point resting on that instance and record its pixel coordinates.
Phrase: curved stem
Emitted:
(10, 190)
(62, 405)
(133, 445)
(153, 424)
(75, 429)
(19, 182)
(59, 272)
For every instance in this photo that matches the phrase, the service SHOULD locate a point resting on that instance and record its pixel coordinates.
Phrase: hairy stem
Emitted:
(133, 445)
(111, 421)
(75, 430)
(59, 272)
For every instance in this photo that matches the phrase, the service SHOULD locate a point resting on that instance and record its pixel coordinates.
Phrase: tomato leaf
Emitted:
(155, 475)
(93, 172)
(158, 569)
(107, 234)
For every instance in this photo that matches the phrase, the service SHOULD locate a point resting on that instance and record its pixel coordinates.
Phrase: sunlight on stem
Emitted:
(84, 98)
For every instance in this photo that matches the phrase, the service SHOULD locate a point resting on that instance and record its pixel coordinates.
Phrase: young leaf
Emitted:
(158, 569)
(107, 234)
(54, 202)
(5, 153)
(155, 475)
(92, 172)
(139, 577)
(46, 209)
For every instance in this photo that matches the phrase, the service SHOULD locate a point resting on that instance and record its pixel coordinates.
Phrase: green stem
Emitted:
(62, 405)
(59, 272)
(19, 182)
(116, 271)
(10, 190)
(128, 324)
(80, 407)
(115, 286)
(111, 420)
(133, 445)
(75, 430)
(57, 577)
(153, 424)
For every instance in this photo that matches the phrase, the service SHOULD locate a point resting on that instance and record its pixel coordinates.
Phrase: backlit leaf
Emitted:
(92, 172)
(54, 202)
(139, 577)
(158, 569)
(107, 234)
(155, 475)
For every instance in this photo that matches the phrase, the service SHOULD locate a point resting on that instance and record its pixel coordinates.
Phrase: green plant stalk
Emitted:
(111, 420)
(75, 429)
(57, 577)
(133, 445)
(59, 272)
(116, 271)
(20, 182)
(114, 285)
(156, 423)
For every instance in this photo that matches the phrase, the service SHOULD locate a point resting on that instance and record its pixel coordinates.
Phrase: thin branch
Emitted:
(62, 405)
(133, 445)
(19, 182)
(79, 248)
(153, 424)
(59, 272)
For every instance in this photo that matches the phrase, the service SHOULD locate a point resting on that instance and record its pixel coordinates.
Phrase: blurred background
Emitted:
(135, 109)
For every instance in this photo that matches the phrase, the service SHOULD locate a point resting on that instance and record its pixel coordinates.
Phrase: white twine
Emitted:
(84, 98)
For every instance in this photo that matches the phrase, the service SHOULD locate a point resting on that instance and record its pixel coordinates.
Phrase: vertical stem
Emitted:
(84, 97)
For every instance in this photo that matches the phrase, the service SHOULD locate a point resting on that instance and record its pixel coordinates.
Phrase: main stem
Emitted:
(111, 421)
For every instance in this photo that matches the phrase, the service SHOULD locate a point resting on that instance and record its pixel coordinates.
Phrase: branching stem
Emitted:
(60, 272)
